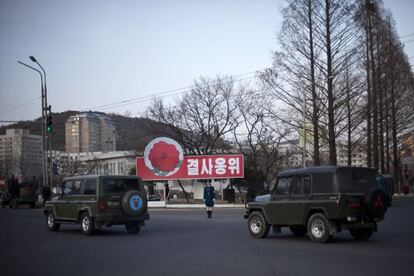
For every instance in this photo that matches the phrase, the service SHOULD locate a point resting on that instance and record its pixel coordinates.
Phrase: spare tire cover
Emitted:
(134, 202)
(376, 202)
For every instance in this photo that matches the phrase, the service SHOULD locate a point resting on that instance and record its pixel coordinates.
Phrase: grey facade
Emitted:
(89, 132)
(21, 154)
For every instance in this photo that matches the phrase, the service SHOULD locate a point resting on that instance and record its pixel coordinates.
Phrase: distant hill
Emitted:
(132, 133)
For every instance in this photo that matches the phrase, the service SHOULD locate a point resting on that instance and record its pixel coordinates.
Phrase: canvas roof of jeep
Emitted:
(334, 179)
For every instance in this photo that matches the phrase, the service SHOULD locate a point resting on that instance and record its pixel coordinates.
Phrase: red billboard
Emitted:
(195, 167)
(164, 160)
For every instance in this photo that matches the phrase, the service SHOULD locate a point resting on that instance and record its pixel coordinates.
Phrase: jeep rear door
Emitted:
(112, 190)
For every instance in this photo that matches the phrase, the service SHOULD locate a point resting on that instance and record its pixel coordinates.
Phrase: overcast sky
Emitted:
(98, 52)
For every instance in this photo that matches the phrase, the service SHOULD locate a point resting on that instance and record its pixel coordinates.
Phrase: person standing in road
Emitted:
(13, 187)
(209, 198)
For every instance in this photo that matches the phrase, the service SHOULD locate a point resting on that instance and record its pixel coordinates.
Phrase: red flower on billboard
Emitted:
(163, 156)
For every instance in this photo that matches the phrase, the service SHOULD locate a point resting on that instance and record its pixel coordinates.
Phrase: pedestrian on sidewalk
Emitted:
(209, 198)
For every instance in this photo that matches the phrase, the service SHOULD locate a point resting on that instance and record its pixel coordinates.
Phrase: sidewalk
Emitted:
(163, 204)
(401, 196)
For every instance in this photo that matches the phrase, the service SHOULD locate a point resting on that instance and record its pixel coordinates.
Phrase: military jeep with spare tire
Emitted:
(320, 202)
(95, 201)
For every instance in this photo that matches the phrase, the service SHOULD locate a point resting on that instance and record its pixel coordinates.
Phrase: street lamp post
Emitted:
(44, 159)
(47, 136)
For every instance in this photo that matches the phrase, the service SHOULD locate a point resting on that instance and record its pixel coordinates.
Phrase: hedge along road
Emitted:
(184, 242)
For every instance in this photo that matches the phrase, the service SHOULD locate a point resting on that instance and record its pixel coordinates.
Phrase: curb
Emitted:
(191, 206)
(397, 197)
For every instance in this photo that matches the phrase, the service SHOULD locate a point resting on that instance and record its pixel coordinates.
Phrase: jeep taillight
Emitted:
(353, 204)
(378, 202)
(101, 204)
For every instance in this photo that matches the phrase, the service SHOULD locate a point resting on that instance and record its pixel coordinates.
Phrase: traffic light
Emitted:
(49, 124)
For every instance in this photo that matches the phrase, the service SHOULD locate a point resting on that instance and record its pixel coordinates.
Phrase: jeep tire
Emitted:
(258, 226)
(87, 224)
(318, 228)
(51, 223)
(132, 228)
(134, 202)
(361, 233)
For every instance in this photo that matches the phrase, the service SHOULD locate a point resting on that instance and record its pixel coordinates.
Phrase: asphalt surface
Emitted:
(184, 242)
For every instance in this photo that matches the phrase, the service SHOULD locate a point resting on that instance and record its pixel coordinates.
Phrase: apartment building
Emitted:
(21, 154)
(89, 132)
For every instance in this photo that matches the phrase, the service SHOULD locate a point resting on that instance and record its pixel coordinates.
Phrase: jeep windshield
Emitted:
(119, 185)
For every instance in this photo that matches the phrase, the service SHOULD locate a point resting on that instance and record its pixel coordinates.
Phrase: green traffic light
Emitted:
(49, 129)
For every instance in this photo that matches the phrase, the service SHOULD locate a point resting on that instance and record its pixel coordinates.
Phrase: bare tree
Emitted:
(200, 119)
(258, 137)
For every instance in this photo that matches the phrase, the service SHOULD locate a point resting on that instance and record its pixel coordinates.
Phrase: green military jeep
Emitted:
(321, 201)
(96, 201)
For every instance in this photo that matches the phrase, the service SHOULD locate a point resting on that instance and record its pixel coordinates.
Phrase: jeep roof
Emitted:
(332, 179)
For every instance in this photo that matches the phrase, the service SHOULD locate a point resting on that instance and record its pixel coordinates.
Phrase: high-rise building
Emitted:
(89, 132)
(21, 154)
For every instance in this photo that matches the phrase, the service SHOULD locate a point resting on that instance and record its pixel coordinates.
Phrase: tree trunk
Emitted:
(315, 110)
(185, 193)
(374, 95)
(381, 108)
(348, 107)
(331, 115)
(368, 72)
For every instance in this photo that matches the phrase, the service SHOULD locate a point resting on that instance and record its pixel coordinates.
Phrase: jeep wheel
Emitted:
(298, 230)
(132, 228)
(258, 226)
(134, 202)
(52, 226)
(318, 228)
(362, 233)
(87, 224)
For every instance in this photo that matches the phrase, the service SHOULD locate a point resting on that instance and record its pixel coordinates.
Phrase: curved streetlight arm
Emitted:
(32, 58)
(41, 67)
(37, 70)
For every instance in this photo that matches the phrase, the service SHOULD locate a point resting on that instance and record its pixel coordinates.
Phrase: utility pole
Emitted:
(47, 131)
(46, 125)
(45, 177)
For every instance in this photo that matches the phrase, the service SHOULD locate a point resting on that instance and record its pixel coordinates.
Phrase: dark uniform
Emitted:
(13, 187)
(209, 198)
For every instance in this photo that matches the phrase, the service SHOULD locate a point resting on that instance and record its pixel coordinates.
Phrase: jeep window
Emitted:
(67, 187)
(283, 186)
(301, 186)
(76, 189)
(90, 187)
(119, 185)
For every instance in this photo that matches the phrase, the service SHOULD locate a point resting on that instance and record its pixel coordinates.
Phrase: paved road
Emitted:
(184, 242)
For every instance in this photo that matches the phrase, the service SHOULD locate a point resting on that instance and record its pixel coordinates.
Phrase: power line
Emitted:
(408, 41)
(163, 94)
(18, 106)
(407, 35)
